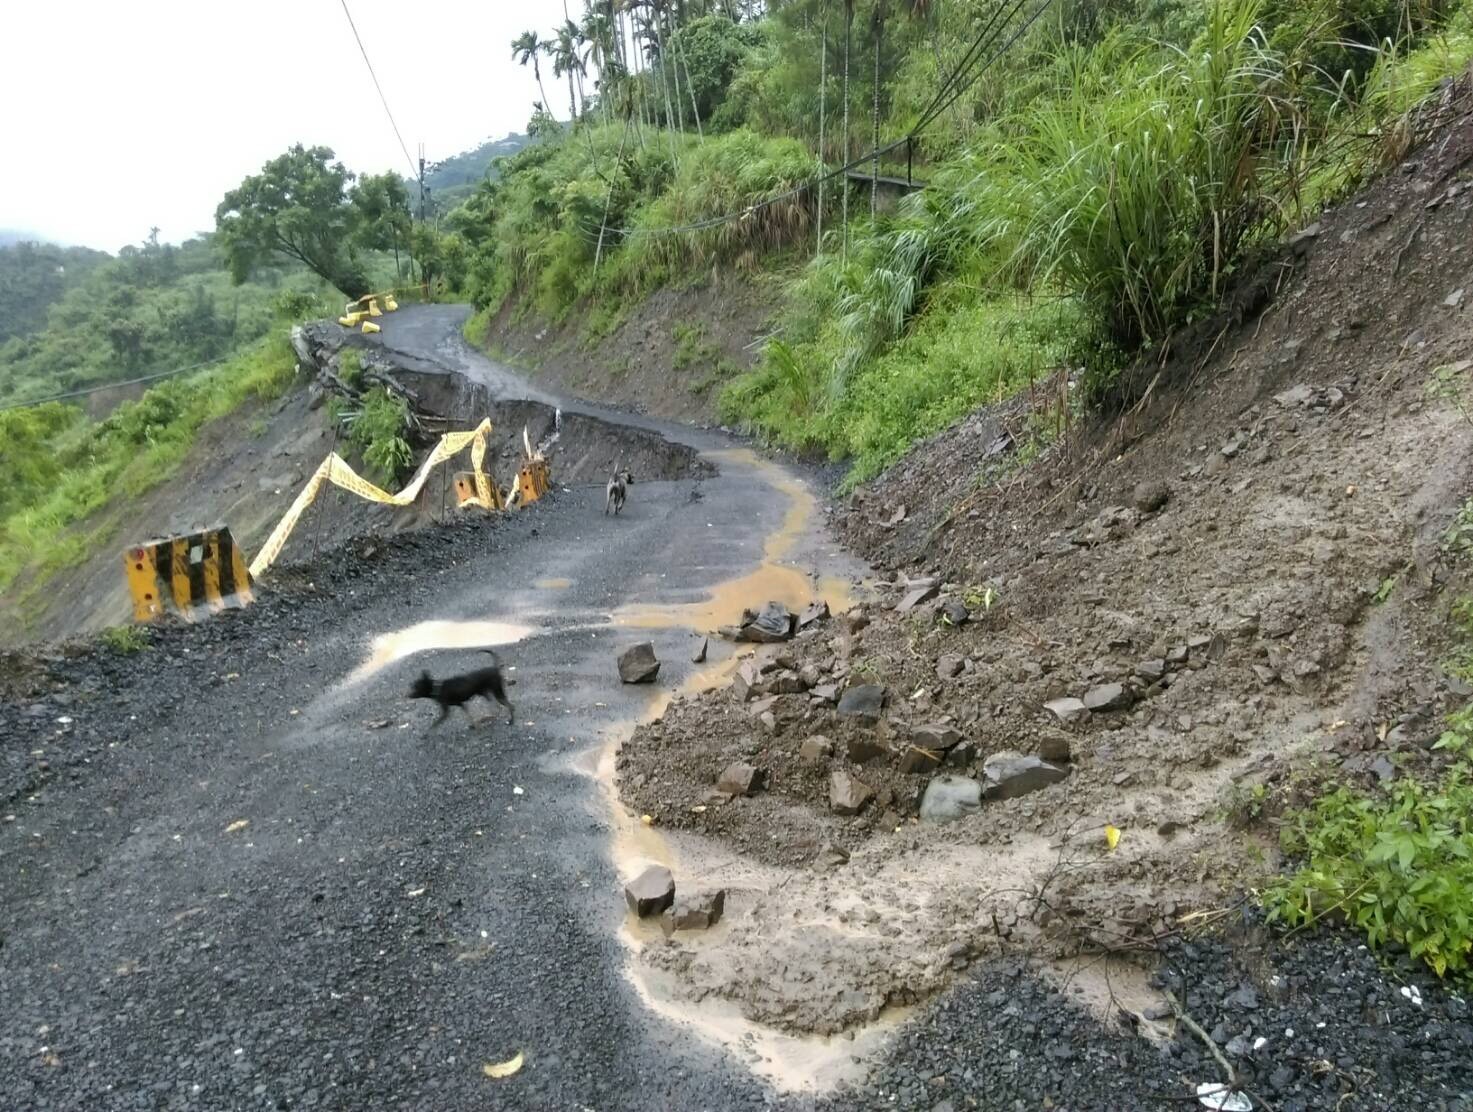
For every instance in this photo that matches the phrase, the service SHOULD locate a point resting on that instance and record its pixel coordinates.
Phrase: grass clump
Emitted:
(126, 639)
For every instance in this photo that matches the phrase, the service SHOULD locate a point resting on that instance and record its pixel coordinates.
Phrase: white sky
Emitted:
(121, 116)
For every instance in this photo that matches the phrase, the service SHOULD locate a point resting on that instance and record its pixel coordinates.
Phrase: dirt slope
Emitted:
(1254, 556)
(668, 357)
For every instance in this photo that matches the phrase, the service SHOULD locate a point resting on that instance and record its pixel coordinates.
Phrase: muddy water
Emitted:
(789, 1062)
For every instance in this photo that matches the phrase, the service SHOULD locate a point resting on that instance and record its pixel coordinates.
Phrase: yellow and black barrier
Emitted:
(466, 493)
(533, 480)
(335, 470)
(193, 574)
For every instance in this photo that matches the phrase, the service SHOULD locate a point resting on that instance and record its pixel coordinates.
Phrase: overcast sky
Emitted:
(120, 117)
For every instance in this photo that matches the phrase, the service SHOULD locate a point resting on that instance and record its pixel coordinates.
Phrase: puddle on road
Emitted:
(387, 648)
(789, 1062)
(771, 581)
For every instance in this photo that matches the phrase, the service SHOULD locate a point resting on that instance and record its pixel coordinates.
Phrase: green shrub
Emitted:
(350, 366)
(378, 431)
(1398, 869)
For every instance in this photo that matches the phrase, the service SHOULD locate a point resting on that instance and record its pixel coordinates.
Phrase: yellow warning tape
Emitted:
(334, 469)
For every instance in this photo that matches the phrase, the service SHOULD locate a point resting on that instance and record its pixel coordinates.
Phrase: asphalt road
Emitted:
(257, 895)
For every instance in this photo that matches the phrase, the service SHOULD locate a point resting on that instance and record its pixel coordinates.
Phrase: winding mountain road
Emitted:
(283, 890)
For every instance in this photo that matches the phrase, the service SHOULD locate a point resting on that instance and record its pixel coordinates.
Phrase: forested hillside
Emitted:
(450, 182)
(155, 307)
(1095, 175)
(35, 275)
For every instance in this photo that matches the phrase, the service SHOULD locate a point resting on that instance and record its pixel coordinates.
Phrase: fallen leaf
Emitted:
(516, 790)
(413, 892)
(648, 820)
(238, 824)
(1112, 836)
(503, 1069)
(698, 809)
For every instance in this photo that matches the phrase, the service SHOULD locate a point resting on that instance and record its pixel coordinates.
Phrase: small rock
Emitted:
(960, 756)
(773, 623)
(1010, 775)
(1148, 497)
(1067, 710)
(1054, 747)
(948, 798)
(862, 750)
(949, 666)
(917, 759)
(651, 892)
(864, 701)
(1177, 656)
(828, 692)
(1107, 696)
(786, 682)
(831, 854)
(848, 794)
(637, 664)
(1151, 670)
(917, 595)
(817, 612)
(699, 656)
(1454, 299)
(935, 735)
(740, 779)
(955, 612)
(748, 681)
(1295, 396)
(1383, 769)
(696, 913)
(857, 619)
(810, 675)
(815, 750)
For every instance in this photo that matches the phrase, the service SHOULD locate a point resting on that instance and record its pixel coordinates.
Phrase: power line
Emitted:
(115, 385)
(376, 85)
(945, 97)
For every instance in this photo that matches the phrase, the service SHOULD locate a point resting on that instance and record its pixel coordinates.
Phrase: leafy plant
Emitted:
(378, 430)
(1398, 869)
(350, 366)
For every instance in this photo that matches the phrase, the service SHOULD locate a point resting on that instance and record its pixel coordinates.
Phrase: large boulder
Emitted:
(1010, 775)
(651, 892)
(637, 663)
(848, 794)
(948, 798)
(774, 622)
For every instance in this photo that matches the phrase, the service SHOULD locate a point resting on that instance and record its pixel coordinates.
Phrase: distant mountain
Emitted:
(16, 235)
(35, 275)
(451, 181)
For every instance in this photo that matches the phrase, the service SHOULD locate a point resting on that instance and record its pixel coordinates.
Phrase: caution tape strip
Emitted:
(335, 470)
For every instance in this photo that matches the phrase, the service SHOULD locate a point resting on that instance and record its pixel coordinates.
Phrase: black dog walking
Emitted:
(617, 490)
(457, 691)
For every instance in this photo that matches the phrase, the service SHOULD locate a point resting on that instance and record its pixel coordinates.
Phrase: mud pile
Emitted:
(1180, 610)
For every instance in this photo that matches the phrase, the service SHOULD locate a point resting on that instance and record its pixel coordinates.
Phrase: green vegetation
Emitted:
(1398, 865)
(377, 429)
(125, 639)
(155, 307)
(1098, 187)
(307, 209)
(65, 468)
(33, 277)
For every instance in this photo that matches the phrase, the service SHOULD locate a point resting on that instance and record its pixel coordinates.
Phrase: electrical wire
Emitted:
(945, 97)
(413, 170)
(115, 385)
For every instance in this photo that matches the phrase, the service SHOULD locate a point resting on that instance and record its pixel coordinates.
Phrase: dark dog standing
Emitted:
(457, 691)
(615, 493)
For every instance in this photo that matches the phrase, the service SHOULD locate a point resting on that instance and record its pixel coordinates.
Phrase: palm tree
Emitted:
(564, 53)
(823, 75)
(844, 157)
(877, 24)
(527, 47)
